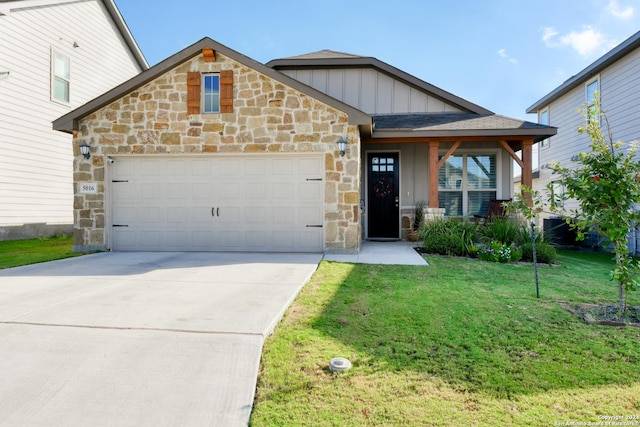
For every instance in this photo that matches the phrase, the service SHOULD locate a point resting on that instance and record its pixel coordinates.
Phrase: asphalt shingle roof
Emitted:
(450, 121)
(434, 125)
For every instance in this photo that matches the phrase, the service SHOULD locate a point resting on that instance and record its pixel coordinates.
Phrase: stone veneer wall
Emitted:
(268, 117)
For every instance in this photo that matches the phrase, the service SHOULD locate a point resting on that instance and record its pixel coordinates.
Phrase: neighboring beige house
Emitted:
(615, 79)
(55, 55)
(210, 150)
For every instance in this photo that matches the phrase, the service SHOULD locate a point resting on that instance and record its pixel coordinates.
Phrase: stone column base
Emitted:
(430, 214)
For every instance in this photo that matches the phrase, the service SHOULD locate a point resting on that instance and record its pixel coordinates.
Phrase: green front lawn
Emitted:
(458, 343)
(14, 253)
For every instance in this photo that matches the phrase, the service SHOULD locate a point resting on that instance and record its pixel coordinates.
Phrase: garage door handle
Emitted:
(314, 226)
(215, 211)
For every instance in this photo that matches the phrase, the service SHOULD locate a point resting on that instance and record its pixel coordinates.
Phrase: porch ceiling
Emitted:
(460, 126)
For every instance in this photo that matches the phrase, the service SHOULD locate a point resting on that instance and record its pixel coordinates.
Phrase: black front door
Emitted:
(384, 195)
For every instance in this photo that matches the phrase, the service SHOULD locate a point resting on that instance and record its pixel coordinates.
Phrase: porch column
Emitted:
(433, 174)
(527, 167)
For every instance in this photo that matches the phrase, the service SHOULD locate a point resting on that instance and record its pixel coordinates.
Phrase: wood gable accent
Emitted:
(208, 54)
(226, 91)
(193, 92)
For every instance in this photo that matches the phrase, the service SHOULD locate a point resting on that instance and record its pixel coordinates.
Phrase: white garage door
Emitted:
(266, 203)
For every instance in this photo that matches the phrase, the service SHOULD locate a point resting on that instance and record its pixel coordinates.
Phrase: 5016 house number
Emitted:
(87, 187)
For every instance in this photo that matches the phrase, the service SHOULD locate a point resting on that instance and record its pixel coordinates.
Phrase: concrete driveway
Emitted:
(140, 339)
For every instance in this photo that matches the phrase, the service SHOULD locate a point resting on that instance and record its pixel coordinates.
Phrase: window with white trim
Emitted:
(211, 93)
(543, 119)
(592, 93)
(60, 77)
(466, 183)
(557, 194)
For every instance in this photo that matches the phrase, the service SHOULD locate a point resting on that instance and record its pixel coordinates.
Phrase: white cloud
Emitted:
(548, 34)
(504, 55)
(586, 42)
(620, 12)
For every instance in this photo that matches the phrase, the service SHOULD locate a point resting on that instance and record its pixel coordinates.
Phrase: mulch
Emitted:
(603, 314)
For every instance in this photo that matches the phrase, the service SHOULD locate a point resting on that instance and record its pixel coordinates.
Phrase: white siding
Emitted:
(35, 161)
(620, 100)
(371, 91)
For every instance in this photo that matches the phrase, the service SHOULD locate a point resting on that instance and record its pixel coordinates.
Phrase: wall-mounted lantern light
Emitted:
(84, 149)
(342, 146)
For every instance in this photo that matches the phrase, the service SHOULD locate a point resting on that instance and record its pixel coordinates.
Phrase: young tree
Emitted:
(606, 185)
(528, 203)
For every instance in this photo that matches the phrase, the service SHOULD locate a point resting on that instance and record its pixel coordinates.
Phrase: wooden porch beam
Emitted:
(449, 153)
(433, 174)
(527, 168)
(511, 153)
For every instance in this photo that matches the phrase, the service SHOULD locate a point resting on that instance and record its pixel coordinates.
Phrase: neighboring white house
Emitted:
(55, 55)
(615, 78)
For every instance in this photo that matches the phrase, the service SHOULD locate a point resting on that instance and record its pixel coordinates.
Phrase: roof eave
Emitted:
(537, 134)
(623, 49)
(113, 10)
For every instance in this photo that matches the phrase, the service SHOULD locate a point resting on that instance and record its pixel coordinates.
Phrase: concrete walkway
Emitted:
(394, 253)
(140, 339)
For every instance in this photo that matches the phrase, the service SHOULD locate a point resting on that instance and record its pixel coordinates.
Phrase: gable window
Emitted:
(543, 119)
(60, 77)
(466, 183)
(211, 93)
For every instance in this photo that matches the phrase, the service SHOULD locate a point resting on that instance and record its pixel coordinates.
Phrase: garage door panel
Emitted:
(311, 167)
(178, 240)
(177, 191)
(150, 239)
(124, 239)
(310, 191)
(231, 204)
(177, 215)
(122, 191)
(124, 214)
(203, 239)
(231, 191)
(153, 216)
(200, 168)
(151, 171)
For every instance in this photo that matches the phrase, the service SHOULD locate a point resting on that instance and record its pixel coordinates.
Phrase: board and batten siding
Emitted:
(371, 91)
(36, 172)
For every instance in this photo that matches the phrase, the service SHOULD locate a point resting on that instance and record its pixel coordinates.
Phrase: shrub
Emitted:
(449, 236)
(445, 244)
(499, 252)
(545, 253)
(503, 230)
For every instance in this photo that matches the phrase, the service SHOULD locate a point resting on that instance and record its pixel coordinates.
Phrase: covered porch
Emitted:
(452, 163)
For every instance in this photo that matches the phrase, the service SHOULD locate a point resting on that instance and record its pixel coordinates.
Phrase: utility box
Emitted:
(558, 232)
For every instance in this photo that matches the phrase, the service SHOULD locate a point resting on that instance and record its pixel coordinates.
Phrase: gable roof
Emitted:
(442, 125)
(326, 53)
(614, 55)
(6, 7)
(69, 122)
(332, 59)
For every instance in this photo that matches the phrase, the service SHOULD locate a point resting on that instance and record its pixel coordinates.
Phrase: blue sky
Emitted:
(501, 54)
